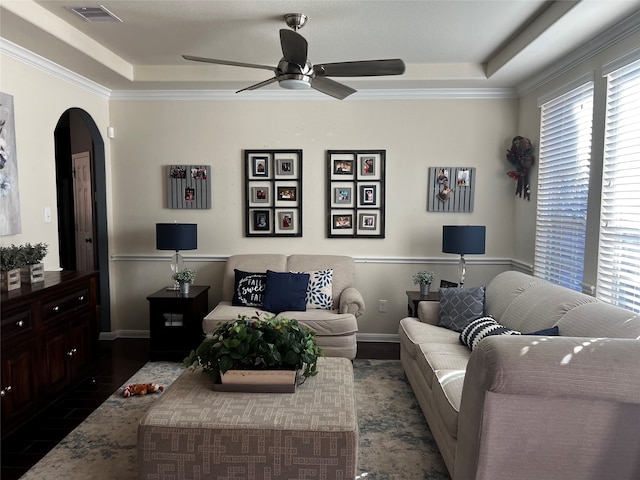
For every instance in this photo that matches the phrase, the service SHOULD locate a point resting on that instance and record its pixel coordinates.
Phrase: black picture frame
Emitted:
(356, 191)
(273, 193)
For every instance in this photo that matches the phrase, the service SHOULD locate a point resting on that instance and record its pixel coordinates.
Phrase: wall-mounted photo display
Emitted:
(188, 186)
(356, 193)
(273, 193)
(451, 189)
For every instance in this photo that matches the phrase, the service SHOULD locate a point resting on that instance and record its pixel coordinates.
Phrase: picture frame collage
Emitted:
(273, 193)
(356, 193)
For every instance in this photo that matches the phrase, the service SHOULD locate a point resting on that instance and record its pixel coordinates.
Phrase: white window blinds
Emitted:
(563, 187)
(619, 252)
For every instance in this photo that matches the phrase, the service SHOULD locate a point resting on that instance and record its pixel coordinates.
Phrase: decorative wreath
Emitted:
(521, 156)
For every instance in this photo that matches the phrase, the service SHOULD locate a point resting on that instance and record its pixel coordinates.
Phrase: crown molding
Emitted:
(34, 60)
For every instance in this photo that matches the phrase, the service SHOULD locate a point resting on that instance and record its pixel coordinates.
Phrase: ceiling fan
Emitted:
(295, 72)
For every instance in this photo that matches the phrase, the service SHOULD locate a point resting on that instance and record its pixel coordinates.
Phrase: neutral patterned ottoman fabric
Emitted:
(193, 432)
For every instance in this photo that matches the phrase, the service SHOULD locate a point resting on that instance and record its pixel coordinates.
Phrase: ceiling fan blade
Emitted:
(258, 85)
(365, 68)
(227, 62)
(331, 87)
(294, 47)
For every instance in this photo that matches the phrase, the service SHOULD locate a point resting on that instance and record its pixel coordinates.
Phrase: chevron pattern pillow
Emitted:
(458, 306)
(483, 327)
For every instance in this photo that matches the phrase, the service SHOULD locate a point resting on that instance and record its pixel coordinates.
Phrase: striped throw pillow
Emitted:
(483, 327)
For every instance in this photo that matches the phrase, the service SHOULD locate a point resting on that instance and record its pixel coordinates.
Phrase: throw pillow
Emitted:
(546, 332)
(286, 291)
(458, 306)
(249, 289)
(320, 289)
(481, 328)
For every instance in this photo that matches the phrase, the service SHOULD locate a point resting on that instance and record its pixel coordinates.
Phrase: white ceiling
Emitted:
(445, 43)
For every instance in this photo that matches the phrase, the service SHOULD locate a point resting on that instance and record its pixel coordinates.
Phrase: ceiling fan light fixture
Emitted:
(295, 82)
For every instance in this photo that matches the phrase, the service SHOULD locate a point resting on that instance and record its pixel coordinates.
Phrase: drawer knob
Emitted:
(56, 308)
(20, 323)
(81, 297)
(5, 390)
(72, 352)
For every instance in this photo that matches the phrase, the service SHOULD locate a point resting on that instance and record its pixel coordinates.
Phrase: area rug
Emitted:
(395, 441)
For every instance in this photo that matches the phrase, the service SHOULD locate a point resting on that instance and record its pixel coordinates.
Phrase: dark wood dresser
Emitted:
(49, 335)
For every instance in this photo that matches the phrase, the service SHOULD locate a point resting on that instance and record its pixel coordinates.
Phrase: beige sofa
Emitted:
(335, 328)
(528, 407)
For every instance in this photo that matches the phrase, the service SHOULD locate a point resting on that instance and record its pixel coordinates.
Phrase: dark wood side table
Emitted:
(413, 298)
(175, 322)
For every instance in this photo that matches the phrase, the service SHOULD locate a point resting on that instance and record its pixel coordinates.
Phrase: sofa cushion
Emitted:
(285, 291)
(249, 289)
(252, 262)
(481, 328)
(412, 333)
(319, 290)
(458, 306)
(435, 357)
(343, 270)
(447, 394)
(224, 311)
(324, 323)
(546, 332)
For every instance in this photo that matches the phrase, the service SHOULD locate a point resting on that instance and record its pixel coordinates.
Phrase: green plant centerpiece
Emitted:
(184, 276)
(270, 343)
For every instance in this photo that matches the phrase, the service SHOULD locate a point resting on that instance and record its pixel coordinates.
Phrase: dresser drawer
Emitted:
(61, 305)
(16, 321)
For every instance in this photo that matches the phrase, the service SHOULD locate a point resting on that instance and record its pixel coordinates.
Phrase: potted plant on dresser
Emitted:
(31, 266)
(10, 268)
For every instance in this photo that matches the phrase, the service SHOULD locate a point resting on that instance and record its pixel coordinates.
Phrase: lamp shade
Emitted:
(463, 239)
(176, 236)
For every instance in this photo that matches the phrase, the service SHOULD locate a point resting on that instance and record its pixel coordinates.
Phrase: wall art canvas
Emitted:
(10, 223)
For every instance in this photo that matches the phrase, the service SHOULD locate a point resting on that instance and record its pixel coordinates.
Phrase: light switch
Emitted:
(47, 214)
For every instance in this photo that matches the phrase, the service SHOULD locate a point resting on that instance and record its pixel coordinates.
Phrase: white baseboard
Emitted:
(378, 337)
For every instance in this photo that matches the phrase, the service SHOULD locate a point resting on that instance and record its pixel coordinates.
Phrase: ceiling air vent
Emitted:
(95, 14)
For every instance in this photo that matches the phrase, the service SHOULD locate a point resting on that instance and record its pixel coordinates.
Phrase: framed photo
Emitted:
(451, 189)
(273, 193)
(367, 221)
(261, 194)
(287, 193)
(285, 167)
(342, 221)
(260, 166)
(342, 166)
(188, 186)
(261, 220)
(356, 193)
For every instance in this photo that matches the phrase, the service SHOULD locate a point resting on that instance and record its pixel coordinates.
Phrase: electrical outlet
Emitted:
(382, 306)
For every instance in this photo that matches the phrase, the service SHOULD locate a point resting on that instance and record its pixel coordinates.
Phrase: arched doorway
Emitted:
(76, 134)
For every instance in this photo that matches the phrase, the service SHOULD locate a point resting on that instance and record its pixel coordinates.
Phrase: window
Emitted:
(619, 255)
(563, 186)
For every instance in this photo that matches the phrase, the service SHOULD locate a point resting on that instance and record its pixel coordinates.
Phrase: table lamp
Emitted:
(463, 239)
(176, 237)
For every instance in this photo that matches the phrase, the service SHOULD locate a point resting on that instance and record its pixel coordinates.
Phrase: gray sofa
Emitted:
(531, 407)
(335, 328)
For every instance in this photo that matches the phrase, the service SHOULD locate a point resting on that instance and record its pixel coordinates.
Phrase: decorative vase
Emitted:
(424, 288)
(184, 288)
(10, 280)
(33, 273)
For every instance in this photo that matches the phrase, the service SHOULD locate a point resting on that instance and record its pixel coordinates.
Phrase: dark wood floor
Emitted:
(119, 360)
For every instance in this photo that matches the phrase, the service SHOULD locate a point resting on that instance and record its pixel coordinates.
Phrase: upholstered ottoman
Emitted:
(194, 432)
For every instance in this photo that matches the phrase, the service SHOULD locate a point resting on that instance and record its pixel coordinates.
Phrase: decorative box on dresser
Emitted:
(49, 342)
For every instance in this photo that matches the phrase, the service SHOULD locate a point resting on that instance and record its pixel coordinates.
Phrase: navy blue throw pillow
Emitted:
(286, 291)
(546, 332)
(249, 289)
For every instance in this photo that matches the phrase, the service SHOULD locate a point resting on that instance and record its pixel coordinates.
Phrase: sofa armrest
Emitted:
(429, 312)
(351, 301)
(547, 395)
